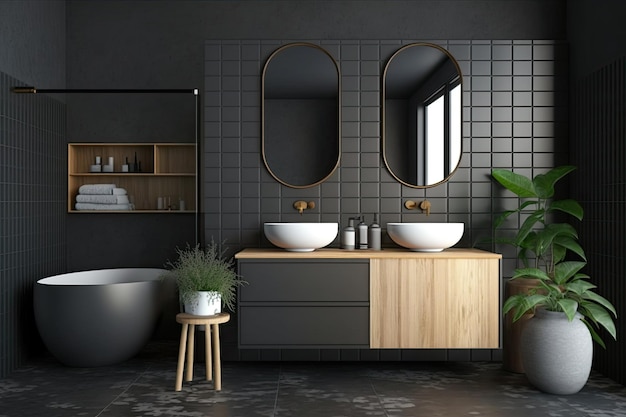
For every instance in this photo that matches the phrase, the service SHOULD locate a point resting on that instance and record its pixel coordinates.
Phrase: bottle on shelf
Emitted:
(136, 164)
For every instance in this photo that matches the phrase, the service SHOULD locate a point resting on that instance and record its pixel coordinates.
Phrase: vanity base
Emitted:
(394, 299)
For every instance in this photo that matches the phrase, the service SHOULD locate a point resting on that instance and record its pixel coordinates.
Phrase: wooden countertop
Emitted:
(334, 253)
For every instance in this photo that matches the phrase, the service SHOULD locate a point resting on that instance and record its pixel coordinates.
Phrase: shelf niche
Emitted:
(168, 170)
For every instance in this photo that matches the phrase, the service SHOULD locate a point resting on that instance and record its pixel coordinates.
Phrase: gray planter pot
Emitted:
(556, 353)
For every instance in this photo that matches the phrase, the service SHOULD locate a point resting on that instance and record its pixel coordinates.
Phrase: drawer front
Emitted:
(293, 281)
(293, 326)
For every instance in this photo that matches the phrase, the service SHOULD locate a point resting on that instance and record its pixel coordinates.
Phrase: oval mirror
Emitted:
(301, 106)
(421, 115)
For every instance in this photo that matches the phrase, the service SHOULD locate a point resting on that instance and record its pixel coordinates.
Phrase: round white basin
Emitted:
(301, 237)
(426, 237)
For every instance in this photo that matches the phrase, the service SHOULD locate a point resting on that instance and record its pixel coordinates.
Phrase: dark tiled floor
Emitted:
(144, 386)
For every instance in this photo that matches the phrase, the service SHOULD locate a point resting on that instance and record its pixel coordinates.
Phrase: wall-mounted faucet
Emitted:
(424, 206)
(303, 205)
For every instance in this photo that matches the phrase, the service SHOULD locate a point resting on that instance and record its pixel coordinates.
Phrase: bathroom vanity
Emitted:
(393, 298)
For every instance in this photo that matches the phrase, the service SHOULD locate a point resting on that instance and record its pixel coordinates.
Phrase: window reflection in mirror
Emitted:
(422, 121)
(300, 115)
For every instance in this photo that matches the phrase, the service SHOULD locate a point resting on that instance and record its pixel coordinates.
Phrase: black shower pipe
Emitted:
(33, 90)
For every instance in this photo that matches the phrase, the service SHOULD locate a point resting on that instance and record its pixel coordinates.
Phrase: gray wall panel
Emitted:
(32, 39)
(597, 37)
(364, 183)
(33, 183)
(33, 161)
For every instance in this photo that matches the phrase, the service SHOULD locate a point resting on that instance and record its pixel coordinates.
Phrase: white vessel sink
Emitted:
(426, 237)
(301, 237)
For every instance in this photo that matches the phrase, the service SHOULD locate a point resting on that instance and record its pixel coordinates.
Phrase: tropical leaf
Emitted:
(594, 334)
(531, 273)
(568, 243)
(512, 302)
(600, 316)
(528, 226)
(543, 184)
(566, 270)
(561, 229)
(522, 304)
(547, 237)
(558, 253)
(597, 298)
(516, 183)
(506, 214)
(571, 207)
(579, 287)
(569, 307)
(502, 217)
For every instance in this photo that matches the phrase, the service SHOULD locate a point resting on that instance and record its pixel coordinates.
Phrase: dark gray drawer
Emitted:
(293, 326)
(294, 281)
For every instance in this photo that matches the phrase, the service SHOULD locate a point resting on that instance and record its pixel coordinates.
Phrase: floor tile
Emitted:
(144, 386)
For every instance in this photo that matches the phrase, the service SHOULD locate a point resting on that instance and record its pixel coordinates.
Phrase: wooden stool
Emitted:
(211, 324)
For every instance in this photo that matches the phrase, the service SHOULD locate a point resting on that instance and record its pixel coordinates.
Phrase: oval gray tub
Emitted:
(99, 317)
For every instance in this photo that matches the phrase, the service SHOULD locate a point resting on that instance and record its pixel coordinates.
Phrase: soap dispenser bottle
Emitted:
(374, 234)
(348, 235)
(362, 227)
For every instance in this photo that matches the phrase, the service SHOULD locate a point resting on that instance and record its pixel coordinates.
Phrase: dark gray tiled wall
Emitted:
(33, 167)
(599, 150)
(514, 112)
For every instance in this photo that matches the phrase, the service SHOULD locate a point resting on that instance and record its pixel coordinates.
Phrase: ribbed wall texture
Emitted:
(514, 112)
(33, 182)
(599, 150)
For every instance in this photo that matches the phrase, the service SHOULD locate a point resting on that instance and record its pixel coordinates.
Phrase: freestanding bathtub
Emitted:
(100, 317)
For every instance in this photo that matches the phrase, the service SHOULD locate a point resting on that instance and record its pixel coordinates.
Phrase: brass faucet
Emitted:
(424, 206)
(410, 204)
(303, 205)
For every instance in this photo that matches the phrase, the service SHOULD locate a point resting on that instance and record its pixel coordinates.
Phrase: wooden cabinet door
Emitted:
(434, 303)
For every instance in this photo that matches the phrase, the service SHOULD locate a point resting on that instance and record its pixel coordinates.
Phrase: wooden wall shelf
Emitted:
(168, 170)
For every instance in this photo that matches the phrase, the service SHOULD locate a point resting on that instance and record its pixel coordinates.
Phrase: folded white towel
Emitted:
(96, 189)
(105, 207)
(119, 191)
(102, 199)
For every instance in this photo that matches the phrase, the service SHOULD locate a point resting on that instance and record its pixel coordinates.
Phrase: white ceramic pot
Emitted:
(206, 303)
(556, 353)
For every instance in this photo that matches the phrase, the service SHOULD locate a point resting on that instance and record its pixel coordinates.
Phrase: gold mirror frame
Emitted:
(335, 164)
(384, 110)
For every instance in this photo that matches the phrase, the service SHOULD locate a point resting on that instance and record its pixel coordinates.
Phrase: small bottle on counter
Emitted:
(374, 234)
(362, 227)
(348, 235)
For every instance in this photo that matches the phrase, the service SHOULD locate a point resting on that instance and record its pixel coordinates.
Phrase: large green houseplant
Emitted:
(205, 270)
(551, 254)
